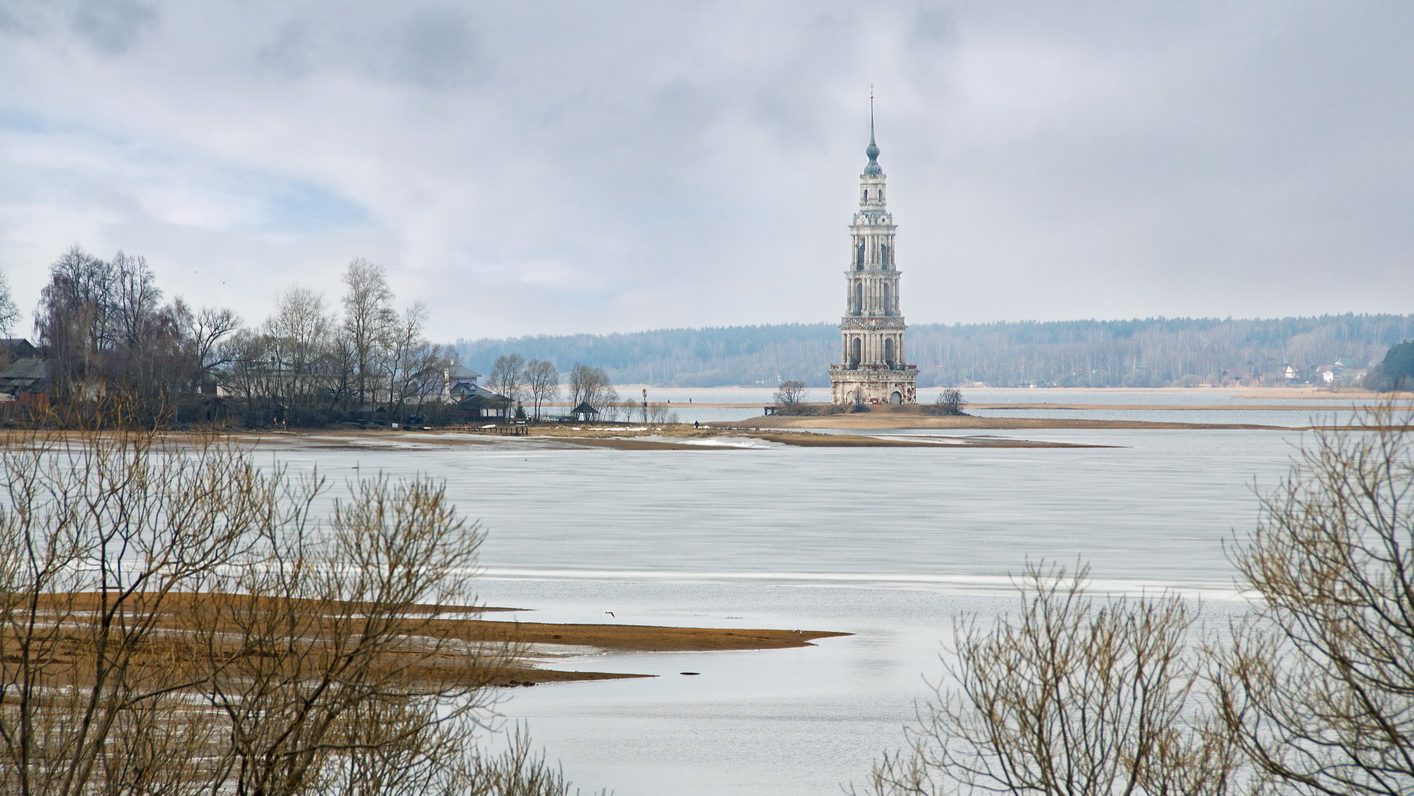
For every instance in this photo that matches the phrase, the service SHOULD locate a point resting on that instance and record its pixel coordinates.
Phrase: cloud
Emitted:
(568, 167)
(433, 47)
(290, 53)
(112, 26)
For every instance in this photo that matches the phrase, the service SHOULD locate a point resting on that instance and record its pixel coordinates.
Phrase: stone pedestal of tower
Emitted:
(872, 367)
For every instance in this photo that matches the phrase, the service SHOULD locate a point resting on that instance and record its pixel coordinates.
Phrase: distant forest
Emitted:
(1153, 352)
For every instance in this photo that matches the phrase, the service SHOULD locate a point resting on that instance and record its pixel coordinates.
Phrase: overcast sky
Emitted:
(555, 167)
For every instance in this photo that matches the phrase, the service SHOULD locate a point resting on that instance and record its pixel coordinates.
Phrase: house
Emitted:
(13, 349)
(27, 379)
(457, 385)
(451, 384)
(481, 402)
(458, 374)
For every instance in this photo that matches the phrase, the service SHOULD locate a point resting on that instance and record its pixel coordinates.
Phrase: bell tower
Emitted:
(872, 367)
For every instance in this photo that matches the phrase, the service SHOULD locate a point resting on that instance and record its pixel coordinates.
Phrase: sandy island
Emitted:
(536, 643)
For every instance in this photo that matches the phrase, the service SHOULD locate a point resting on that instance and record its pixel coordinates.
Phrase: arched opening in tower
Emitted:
(858, 298)
(890, 357)
(855, 349)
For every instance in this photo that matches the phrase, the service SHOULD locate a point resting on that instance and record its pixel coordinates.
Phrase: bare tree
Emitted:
(300, 336)
(789, 396)
(591, 385)
(9, 313)
(206, 332)
(135, 298)
(508, 376)
(1319, 688)
(95, 538)
(72, 318)
(414, 366)
(1076, 695)
(175, 620)
(542, 382)
(368, 320)
(251, 376)
(333, 607)
(948, 402)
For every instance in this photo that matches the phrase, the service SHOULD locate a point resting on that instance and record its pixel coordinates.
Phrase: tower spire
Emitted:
(873, 149)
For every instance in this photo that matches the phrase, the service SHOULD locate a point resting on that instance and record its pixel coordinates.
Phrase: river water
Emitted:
(891, 545)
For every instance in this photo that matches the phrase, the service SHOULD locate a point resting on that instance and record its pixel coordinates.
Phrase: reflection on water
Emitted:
(890, 544)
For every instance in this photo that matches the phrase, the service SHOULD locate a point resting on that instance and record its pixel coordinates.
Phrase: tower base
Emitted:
(874, 385)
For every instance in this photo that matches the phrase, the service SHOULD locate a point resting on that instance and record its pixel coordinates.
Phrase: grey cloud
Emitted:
(290, 53)
(9, 23)
(25, 17)
(434, 48)
(112, 26)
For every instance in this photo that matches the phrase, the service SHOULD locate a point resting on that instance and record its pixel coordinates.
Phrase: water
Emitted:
(892, 545)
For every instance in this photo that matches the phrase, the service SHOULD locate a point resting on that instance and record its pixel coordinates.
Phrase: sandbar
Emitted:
(536, 643)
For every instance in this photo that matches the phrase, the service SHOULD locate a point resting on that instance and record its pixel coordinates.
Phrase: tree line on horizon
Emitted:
(103, 324)
(1151, 352)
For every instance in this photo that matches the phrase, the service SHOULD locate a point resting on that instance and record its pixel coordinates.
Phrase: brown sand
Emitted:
(452, 623)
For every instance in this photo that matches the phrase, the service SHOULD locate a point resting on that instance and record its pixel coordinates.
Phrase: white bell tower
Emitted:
(872, 367)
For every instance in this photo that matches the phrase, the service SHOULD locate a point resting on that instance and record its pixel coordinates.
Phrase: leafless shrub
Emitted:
(789, 396)
(1076, 695)
(949, 402)
(1319, 688)
(174, 620)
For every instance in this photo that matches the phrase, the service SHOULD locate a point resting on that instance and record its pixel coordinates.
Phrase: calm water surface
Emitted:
(892, 545)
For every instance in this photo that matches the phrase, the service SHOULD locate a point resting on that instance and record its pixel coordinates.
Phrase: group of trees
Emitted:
(1313, 693)
(102, 322)
(308, 365)
(1396, 370)
(104, 328)
(1153, 352)
(536, 381)
(179, 621)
